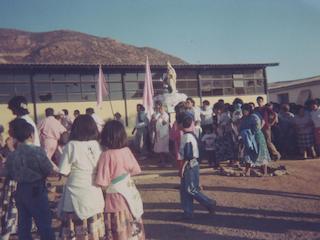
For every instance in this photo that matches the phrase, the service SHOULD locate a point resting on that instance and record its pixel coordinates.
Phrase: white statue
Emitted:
(171, 78)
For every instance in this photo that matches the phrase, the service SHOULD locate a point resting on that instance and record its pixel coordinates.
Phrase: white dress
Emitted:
(36, 133)
(79, 161)
(161, 144)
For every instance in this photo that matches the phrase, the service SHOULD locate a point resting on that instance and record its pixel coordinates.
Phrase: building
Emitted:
(72, 86)
(295, 91)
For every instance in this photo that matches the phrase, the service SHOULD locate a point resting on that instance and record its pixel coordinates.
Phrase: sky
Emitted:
(198, 31)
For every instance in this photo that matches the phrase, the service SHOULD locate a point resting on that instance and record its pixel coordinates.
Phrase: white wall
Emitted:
(294, 93)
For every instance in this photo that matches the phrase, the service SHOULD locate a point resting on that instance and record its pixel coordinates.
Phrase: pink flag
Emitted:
(102, 89)
(148, 91)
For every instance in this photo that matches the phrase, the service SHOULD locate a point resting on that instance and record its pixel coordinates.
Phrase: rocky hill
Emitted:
(73, 47)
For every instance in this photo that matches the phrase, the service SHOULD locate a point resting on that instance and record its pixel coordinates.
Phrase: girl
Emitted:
(123, 205)
(82, 202)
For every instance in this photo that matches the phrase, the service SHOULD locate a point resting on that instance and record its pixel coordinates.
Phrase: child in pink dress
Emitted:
(115, 162)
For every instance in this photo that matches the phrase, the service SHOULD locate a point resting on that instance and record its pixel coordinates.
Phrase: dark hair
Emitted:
(205, 102)
(191, 100)
(76, 112)
(219, 106)
(237, 101)
(1, 129)
(49, 112)
(259, 98)
(66, 112)
(90, 111)
(285, 107)
(247, 107)
(187, 120)
(18, 105)
(20, 129)
(113, 135)
(84, 128)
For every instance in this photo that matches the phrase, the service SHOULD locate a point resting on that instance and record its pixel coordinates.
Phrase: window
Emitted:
(14, 84)
(283, 98)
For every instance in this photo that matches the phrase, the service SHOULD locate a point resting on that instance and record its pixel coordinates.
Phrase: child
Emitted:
(82, 202)
(117, 116)
(123, 205)
(208, 141)
(189, 188)
(29, 166)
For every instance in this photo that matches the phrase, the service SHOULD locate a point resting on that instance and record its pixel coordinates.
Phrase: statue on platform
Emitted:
(171, 78)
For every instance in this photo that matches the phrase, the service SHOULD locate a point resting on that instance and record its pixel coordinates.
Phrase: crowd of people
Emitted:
(235, 132)
(100, 200)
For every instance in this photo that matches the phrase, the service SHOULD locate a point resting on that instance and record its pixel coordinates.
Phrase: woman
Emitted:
(305, 133)
(255, 148)
(226, 146)
(82, 203)
(161, 145)
(19, 107)
(123, 205)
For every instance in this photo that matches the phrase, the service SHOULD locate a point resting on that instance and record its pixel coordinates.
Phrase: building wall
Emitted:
(294, 93)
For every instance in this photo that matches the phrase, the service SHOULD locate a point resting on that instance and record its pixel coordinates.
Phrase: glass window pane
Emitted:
(260, 90)
(114, 77)
(114, 95)
(217, 83)
(73, 77)
(131, 77)
(89, 97)
(206, 85)
(59, 98)
(238, 83)
(59, 87)
(134, 94)
(260, 82)
(141, 76)
(190, 92)
(250, 90)
(44, 97)
(57, 77)
(132, 86)
(22, 78)
(41, 78)
(239, 90)
(181, 84)
(228, 83)
(22, 88)
(74, 97)
(228, 91)
(187, 74)
(217, 92)
(88, 87)
(43, 87)
(249, 83)
(87, 78)
(73, 87)
(206, 93)
(4, 77)
(115, 87)
(7, 88)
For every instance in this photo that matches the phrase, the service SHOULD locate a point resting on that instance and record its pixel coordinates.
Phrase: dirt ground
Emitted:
(282, 207)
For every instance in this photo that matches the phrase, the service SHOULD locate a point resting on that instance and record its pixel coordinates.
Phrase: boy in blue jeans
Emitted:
(29, 166)
(189, 187)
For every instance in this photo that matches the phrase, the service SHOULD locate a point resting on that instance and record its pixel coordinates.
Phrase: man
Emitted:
(50, 130)
(315, 116)
(100, 123)
(269, 118)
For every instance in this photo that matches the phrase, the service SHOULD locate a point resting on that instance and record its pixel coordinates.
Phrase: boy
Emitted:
(189, 188)
(29, 166)
(208, 141)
